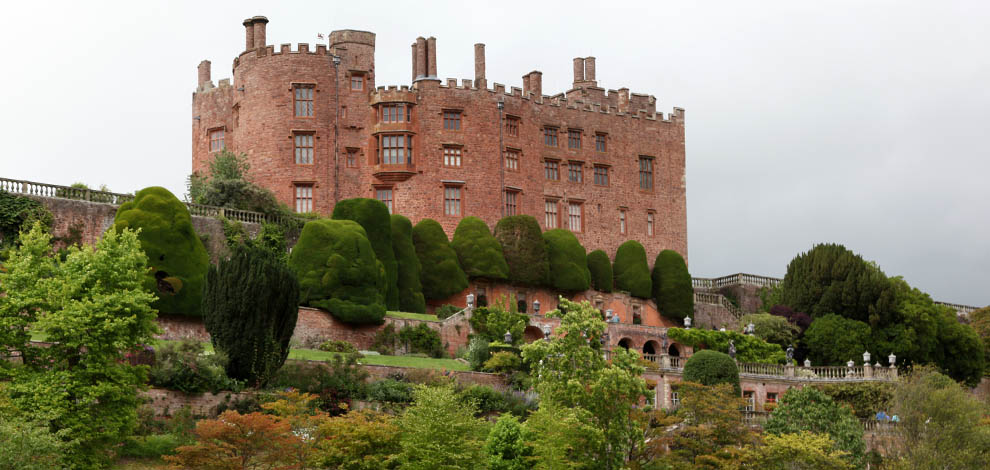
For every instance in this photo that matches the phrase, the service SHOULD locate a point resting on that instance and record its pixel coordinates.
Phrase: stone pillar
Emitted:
(204, 72)
(479, 66)
(431, 45)
(664, 361)
(248, 34)
(420, 57)
(789, 370)
(260, 25)
(893, 372)
(867, 371)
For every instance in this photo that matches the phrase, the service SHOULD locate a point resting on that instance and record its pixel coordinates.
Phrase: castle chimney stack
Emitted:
(623, 100)
(479, 66)
(431, 44)
(248, 34)
(260, 41)
(578, 71)
(420, 57)
(204, 73)
(589, 70)
(533, 83)
(415, 52)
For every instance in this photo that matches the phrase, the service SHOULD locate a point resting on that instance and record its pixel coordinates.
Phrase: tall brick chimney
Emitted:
(479, 66)
(420, 57)
(431, 44)
(589, 69)
(204, 73)
(578, 70)
(415, 53)
(260, 22)
(533, 83)
(249, 34)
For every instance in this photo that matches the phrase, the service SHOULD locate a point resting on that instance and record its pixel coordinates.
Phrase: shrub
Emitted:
(185, 366)
(503, 362)
(798, 319)
(672, 290)
(251, 305)
(479, 254)
(491, 323)
(478, 352)
(833, 340)
(373, 216)
(177, 259)
(446, 311)
(227, 186)
(154, 445)
(524, 250)
(18, 213)
(601, 271)
(444, 276)
(335, 345)
(390, 391)
(28, 446)
(809, 409)
(864, 398)
(422, 339)
(410, 287)
(385, 340)
(632, 273)
(772, 328)
(359, 440)
(568, 261)
(338, 271)
(336, 382)
(748, 348)
(440, 431)
(709, 367)
(506, 446)
(257, 440)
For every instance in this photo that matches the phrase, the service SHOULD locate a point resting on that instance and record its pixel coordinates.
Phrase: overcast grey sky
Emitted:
(858, 122)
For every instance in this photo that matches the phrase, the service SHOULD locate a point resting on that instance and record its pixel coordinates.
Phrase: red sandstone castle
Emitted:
(316, 129)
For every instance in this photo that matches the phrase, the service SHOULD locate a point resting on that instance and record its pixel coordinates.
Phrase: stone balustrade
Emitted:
(664, 362)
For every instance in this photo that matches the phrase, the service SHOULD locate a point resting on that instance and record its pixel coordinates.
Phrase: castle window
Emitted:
(550, 213)
(357, 82)
(385, 195)
(551, 169)
(646, 173)
(452, 157)
(550, 136)
(600, 142)
(452, 120)
(396, 149)
(575, 213)
(304, 100)
(350, 157)
(304, 148)
(573, 139)
(512, 126)
(452, 200)
(601, 175)
(512, 159)
(395, 113)
(771, 397)
(649, 223)
(575, 172)
(622, 221)
(304, 198)
(510, 202)
(750, 400)
(216, 140)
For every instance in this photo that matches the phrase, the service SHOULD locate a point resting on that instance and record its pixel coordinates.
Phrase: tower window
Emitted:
(304, 149)
(395, 113)
(304, 198)
(385, 195)
(511, 159)
(550, 213)
(601, 175)
(600, 142)
(646, 173)
(575, 213)
(573, 139)
(575, 172)
(304, 100)
(350, 157)
(510, 202)
(622, 221)
(396, 149)
(512, 126)
(649, 223)
(550, 136)
(452, 200)
(452, 157)
(216, 140)
(357, 82)
(551, 169)
(452, 120)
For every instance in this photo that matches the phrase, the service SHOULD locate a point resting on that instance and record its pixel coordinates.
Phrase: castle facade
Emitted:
(317, 129)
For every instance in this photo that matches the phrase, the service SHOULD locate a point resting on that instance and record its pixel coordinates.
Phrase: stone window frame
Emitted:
(601, 142)
(459, 155)
(351, 157)
(298, 157)
(452, 119)
(551, 167)
(513, 157)
(394, 112)
(579, 216)
(388, 191)
(574, 138)
(551, 212)
(651, 220)
(356, 78)
(303, 196)
(511, 196)
(551, 136)
(623, 221)
(575, 171)
(216, 144)
(600, 177)
(407, 145)
(512, 125)
(310, 110)
(453, 198)
(647, 172)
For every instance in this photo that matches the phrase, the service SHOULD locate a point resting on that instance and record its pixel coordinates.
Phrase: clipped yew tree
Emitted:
(672, 288)
(177, 259)
(709, 367)
(372, 214)
(478, 251)
(338, 271)
(441, 276)
(250, 308)
(410, 288)
(601, 271)
(632, 273)
(568, 261)
(523, 248)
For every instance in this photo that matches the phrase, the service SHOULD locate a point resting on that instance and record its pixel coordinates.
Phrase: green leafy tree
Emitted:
(251, 305)
(410, 287)
(980, 321)
(568, 261)
(559, 438)
(523, 248)
(19, 213)
(959, 349)
(772, 328)
(29, 446)
(810, 410)
(601, 271)
(709, 367)
(632, 273)
(711, 427)
(941, 425)
(798, 451)
(93, 307)
(913, 337)
(748, 348)
(338, 271)
(672, 290)
(480, 255)
(864, 398)
(571, 371)
(444, 276)
(373, 216)
(439, 432)
(506, 447)
(177, 259)
(491, 323)
(226, 184)
(834, 340)
(359, 440)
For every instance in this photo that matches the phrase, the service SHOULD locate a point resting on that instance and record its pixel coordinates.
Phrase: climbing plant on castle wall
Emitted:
(19, 213)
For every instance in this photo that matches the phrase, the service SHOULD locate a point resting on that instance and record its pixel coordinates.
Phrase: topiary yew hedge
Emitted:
(479, 254)
(568, 261)
(709, 367)
(672, 289)
(524, 250)
(631, 271)
(410, 288)
(177, 259)
(372, 214)
(338, 271)
(441, 276)
(601, 271)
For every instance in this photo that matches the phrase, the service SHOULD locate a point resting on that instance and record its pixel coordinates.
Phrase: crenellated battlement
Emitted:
(302, 48)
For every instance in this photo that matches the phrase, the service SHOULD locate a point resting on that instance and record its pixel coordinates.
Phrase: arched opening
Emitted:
(532, 333)
(650, 347)
(673, 351)
(625, 343)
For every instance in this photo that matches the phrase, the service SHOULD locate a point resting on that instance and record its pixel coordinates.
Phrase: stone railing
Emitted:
(762, 369)
(806, 374)
(30, 188)
(961, 310)
(718, 299)
(733, 280)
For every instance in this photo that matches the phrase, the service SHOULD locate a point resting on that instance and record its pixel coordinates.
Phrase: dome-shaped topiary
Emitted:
(601, 271)
(479, 254)
(672, 289)
(632, 273)
(372, 214)
(568, 261)
(441, 275)
(338, 271)
(410, 288)
(524, 250)
(709, 367)
(177, 259)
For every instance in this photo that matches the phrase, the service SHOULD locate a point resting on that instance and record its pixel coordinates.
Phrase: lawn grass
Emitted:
(412, 316)
(398, 361)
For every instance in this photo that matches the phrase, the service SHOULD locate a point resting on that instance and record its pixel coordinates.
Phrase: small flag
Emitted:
(319, 35)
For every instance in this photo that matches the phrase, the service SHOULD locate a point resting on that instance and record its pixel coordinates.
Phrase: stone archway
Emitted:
(674, 351)
(532, 333)
(651, 347)
(625, 343)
